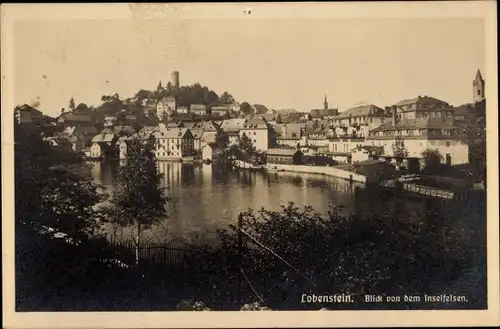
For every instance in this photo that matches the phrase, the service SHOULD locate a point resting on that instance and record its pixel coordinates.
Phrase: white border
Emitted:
(10, 13)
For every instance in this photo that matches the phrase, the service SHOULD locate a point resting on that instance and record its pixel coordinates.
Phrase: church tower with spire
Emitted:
(325, 103)
(478, 88)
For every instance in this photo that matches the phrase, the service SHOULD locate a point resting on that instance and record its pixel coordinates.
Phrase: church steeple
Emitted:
(479, 77)
(325, 103)
(478, 86)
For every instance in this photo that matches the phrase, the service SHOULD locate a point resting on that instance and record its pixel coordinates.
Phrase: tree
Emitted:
(221, 139)
(139, 201)
(398, 148)
(71, 104)
(226, 98)
(82, 108)
(53, 194)
(169, 89)
(246, 108)
(260, 109)
(164, 117)
(245, 144)
(432, 160)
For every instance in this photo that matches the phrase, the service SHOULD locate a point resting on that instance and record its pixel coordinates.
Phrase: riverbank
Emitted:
(321, 170)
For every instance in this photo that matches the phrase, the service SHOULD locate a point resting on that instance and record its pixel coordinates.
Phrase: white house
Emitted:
(100, 150)
(258, 131)
(197, 138)
(109, 121)
(183, 110)
(363, 153)
(209, 152)
(418, 135)
(122, 146)
(166, 104)
(174, 143)
(198, 109)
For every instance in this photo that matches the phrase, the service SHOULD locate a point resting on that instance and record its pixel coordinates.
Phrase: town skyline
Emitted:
(442, 59)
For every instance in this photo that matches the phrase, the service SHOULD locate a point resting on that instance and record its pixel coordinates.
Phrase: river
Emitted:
(205, 197)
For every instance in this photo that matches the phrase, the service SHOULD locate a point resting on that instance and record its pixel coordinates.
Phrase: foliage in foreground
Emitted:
(287, 253)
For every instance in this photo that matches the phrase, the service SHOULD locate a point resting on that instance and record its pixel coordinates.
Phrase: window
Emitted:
(479, 92)
(448, 159)
(447, 143)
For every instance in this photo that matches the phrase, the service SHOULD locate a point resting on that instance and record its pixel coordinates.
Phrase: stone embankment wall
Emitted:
(329, 171)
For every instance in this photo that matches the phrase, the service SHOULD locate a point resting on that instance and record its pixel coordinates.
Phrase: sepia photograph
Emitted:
(249, 157)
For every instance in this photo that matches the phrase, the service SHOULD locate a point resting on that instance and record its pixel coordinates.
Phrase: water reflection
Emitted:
(206, 197)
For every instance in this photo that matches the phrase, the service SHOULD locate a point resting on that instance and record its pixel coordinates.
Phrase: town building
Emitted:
(174, 143)
(358, 121)
(166, 105)
(27, 115)
(183, 110)
(175, 124)
(122, 145)
(109, 121)
(421, 134)
(317, 137)
(290, 134)
(101, 150)
(103, 145)
(70, 119)
(363, 153)
(340, 148)
(209, 152)
(119, 131)
(284, 156)
(198, 109)
(80, 137)
(271, 118)
(423, 107)
(259, 132)
(210, 129)
(232, 128)
(197, 139)
(223, 110)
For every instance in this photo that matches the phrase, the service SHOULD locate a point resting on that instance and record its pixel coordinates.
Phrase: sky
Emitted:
(285, 63)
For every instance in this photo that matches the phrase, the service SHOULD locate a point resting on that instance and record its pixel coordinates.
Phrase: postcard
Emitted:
(250, 165)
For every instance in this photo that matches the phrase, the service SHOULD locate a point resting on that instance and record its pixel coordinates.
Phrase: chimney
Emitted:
(394, 116)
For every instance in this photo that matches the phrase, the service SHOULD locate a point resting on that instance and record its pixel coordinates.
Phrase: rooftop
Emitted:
(173, 133)
(75, 117)
(283, 151)
(362, 110)
(420, 99)
(419, 123)
(255, 123)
